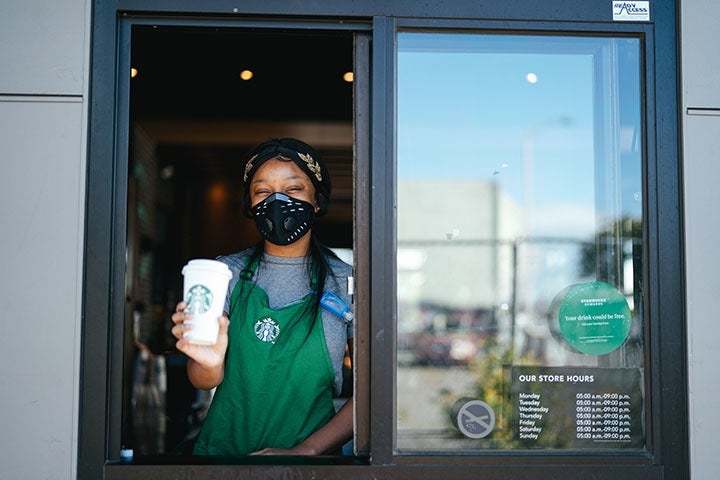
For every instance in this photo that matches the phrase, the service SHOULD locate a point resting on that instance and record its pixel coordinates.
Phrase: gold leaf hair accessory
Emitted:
(249, 167)
(311, 164)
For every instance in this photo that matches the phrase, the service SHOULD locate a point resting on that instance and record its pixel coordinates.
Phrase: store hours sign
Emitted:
(577, 407)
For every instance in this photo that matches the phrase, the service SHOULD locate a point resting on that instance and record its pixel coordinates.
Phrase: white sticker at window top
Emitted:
(631, 11)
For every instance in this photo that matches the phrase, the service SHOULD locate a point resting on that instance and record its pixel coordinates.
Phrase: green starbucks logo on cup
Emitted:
(199, 299)
(594, 318)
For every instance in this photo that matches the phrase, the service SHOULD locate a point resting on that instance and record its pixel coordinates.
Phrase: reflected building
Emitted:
(455, 266)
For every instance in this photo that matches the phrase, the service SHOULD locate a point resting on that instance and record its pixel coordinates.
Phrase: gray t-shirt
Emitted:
(285, 280)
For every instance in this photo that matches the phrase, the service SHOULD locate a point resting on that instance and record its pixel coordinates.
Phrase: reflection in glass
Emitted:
(519, 211)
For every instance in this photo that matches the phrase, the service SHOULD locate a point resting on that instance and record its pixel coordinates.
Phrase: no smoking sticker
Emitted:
(474, 418)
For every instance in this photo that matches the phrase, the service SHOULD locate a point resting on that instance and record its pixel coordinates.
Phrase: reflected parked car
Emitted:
(452, 338)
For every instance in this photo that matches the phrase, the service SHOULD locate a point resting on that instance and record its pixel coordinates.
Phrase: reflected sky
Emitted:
(519, 111)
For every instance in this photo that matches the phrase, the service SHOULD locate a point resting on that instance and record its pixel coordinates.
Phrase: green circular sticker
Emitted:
(594, 318)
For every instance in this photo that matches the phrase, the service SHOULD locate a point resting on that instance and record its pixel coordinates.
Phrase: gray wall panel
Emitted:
(42, 193)
(42, 47)
(700, 36)
(700, 30)
(702, 230)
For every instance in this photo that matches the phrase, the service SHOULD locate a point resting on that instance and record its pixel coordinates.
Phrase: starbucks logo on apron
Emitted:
(267, 330)
(199, 299)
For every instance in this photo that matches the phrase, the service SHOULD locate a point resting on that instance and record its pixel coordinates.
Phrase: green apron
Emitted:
(278, 381)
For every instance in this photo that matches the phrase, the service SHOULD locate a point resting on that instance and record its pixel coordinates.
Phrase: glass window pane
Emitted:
(519, 236)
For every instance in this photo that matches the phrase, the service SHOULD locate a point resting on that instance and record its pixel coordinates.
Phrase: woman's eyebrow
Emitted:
(294, 176)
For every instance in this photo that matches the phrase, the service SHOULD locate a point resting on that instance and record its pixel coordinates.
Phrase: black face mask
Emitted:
(282, 219)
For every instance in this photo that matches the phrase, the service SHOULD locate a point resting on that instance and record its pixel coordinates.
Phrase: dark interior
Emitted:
(193, 74)
(192, 118)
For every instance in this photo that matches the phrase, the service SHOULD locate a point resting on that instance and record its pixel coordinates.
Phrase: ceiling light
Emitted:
(167, 172)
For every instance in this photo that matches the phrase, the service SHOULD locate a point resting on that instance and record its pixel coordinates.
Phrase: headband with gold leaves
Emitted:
(249, 167)
(312, 165)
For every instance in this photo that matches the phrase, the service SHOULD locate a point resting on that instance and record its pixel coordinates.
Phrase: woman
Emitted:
(278, 360)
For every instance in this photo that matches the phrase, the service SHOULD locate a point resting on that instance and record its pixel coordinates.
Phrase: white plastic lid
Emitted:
(205, 264)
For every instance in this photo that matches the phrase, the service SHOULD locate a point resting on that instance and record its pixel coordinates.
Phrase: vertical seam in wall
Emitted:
(81, 208)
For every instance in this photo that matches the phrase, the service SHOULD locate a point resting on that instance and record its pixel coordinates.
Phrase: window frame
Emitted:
(103, 299)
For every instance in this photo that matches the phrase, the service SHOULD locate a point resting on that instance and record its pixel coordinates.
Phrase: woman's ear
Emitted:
(321, 204)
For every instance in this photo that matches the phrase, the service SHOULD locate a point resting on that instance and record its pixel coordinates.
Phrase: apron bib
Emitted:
(278, 381)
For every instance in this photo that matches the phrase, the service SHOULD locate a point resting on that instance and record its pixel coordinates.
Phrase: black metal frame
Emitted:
(101, 377)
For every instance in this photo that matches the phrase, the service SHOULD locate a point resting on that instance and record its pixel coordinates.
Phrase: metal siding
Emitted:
(702, 229)
(41, 208)
(701, 62)
(42, 47)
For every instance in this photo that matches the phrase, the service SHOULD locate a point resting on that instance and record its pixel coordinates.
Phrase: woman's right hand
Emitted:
(209, 359)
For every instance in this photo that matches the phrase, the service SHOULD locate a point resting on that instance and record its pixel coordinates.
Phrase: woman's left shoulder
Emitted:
(339, 267)
(236, 261)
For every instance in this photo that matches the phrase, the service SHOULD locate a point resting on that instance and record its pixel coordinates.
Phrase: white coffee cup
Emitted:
(205, 286)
